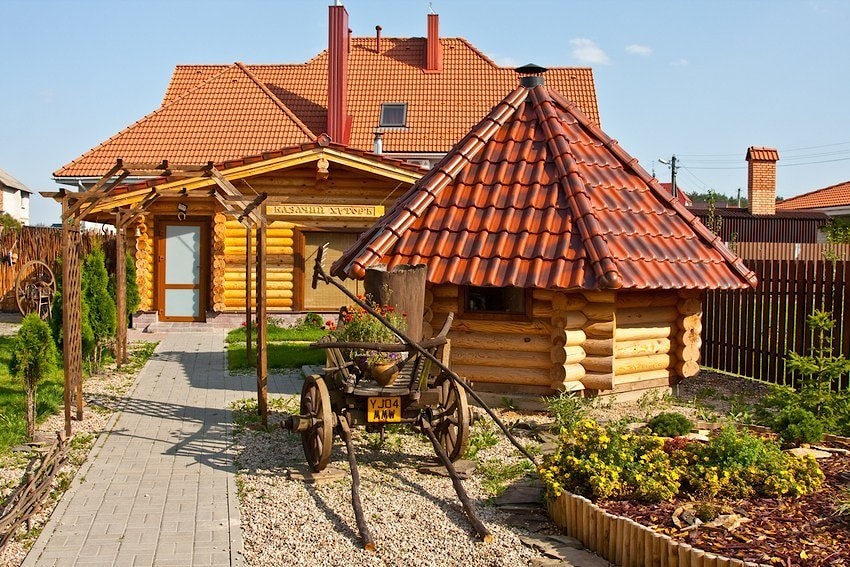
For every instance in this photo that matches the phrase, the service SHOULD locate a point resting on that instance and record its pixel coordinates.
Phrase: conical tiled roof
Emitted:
(538, 196)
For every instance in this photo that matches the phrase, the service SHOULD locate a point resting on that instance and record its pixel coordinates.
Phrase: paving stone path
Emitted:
(159, 488)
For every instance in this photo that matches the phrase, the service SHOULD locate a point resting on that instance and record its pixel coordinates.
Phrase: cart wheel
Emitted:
(318, 439)
(451, 417)
(34, 289)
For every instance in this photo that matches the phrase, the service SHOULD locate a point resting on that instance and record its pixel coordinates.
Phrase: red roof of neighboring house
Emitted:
(832, 196)
(221, 112)
(536, 195)
(681, 195)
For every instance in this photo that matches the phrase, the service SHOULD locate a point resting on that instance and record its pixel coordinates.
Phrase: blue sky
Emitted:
(701, 79)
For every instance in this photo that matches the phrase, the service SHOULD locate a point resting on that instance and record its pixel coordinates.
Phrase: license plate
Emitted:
(383, 410)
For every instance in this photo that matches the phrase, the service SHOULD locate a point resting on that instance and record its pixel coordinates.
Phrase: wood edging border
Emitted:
(627, 543)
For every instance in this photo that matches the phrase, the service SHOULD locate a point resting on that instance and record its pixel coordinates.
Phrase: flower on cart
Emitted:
(359, 326)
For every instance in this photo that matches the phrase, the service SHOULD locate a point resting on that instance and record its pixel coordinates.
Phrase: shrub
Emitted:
(670, 424)
(34, 358)
(131, 286)
(313, 320)
(795, 425)
(101, 306)
(568, 409)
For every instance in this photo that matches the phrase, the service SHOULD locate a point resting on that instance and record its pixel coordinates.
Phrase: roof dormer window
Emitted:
(393, 115)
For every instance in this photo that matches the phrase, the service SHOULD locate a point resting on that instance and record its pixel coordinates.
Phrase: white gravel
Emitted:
(415, 518)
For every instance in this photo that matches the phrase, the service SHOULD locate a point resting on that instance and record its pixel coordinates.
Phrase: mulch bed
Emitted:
(788, 532)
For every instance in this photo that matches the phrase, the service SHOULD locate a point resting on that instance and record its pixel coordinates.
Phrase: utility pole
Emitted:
(674, 190)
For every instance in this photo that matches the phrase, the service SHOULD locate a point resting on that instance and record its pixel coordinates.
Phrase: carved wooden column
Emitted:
(72, 340)
(262, 330)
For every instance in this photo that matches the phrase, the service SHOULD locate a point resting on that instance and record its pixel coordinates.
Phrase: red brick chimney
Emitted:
(433, 49)
(339, 122)
(761, 180)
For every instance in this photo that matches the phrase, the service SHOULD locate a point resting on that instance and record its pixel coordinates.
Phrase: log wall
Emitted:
(142, 241)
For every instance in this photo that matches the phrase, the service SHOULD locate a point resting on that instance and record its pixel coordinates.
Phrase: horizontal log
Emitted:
(624, 366)
(599, 311)
(600, 330)
(566, 373)
(495, 326)
(648, 316)
(600, 364)
(691, 323)
(685, 369)
(492, 374)
(232, 223)
(568, 320)
(631, 300)
(574, 386)
(239, 242)
(270, 293)
(270, 285)
(563, 337)
(429, 297)
(567, 355)
(568, 301)
(599, 347)
(543, 294)
(628, 349)
(600, 296)
(541, 309)
(503, 359)
(500, 341)
(444, 305)
(271, 275)
(640, 333)
(273, 302)
(598, 381)
(646, 376)
(270, 251)
(689, 306)
(445, 290)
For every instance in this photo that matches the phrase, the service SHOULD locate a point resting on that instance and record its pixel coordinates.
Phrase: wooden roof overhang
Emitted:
(205, 181)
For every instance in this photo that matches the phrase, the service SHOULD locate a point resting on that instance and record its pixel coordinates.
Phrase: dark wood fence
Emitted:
(45, 244)
(751, 332)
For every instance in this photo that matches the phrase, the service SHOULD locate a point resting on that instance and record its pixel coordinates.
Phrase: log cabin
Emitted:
(568, 267)
(315, 137)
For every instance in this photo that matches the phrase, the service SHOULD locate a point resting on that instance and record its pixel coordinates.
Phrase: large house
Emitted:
(833, 201)
(14, 198)
(333, 142)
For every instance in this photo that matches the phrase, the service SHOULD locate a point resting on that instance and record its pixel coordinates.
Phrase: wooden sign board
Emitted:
(329, 211)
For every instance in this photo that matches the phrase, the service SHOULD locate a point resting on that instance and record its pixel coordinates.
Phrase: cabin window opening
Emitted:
(507, 302)
(393, 115)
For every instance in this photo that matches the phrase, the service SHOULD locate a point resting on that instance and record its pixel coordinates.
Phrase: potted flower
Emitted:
(358, 325)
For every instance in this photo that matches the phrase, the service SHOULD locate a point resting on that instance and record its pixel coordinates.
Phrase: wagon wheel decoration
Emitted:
(451, 417)
(34, 289)
(317, 440)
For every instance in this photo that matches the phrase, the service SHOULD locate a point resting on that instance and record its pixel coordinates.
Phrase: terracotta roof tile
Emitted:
(442, 107)
(832, 196)
(191, 130)
(536, 195)
(762, 154)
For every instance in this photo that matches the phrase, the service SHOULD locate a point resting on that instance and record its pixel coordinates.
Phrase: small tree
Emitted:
(132, 287)
(34, 359)
(101, 306)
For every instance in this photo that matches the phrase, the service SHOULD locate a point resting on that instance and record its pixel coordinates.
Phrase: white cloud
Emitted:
(636, 49)
(679, 63)
(586, 51)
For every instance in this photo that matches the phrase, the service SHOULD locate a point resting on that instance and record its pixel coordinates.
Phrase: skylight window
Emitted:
(393, 115)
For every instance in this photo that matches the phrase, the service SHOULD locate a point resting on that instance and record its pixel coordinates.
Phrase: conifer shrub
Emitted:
(670, 424)
(33, 360)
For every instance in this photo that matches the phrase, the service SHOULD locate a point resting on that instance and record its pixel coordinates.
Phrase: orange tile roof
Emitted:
(538, 196)
(832, 196)
(442, 107)
(193, 129)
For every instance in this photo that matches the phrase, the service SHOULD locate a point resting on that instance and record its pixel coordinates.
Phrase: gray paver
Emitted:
(162, 471)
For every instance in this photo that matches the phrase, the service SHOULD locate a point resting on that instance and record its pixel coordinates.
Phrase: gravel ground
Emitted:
(103, 394)
(415, 518)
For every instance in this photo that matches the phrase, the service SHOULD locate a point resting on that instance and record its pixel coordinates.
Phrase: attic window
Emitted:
(393, 115)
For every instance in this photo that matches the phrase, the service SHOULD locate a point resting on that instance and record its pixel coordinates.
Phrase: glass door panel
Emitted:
(182, 272)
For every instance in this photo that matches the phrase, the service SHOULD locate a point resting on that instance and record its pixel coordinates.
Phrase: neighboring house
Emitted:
(14, 198)
(317, 137)
(681, 195)
(833, 201)
(567, 265)
(764, 219)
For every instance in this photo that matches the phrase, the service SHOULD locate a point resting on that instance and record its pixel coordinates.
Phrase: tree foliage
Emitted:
(34, 359)
(837, 231)
(101, 305)
(134, 299)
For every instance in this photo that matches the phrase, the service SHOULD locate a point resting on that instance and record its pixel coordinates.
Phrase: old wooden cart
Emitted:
(426, 394)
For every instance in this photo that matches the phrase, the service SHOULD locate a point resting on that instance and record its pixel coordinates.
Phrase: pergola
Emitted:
(107, 197)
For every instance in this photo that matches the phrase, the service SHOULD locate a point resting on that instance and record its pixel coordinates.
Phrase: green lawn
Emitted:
(13, 420)
(287, 348)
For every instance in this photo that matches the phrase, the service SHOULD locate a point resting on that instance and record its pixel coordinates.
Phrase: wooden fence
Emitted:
(45, 244)
(791, 251)
(751, 332)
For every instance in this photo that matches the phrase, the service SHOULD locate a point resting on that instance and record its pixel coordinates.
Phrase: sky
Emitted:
(700, 79)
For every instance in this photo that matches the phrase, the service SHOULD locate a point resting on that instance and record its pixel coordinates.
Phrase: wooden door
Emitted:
(182, 270)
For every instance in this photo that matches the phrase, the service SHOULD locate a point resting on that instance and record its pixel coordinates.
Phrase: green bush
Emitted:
(313, 320)
(132, 286)
(34, 359)
(568, 409)
(795, 425)
(608, 463)
(670, 424)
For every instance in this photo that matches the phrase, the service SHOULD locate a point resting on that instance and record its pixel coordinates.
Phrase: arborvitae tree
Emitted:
(101, 306)
(34, 359)
(133, 297)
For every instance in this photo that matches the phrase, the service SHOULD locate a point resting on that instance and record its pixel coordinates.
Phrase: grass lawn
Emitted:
(287, 348)
(13, 416)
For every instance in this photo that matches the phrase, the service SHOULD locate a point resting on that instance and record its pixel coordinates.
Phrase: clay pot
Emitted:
(383, 373)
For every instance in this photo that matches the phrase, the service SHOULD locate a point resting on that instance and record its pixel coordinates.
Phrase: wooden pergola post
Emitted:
(120, 290)
(248, 311)
(72, 339)
(262, 326)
